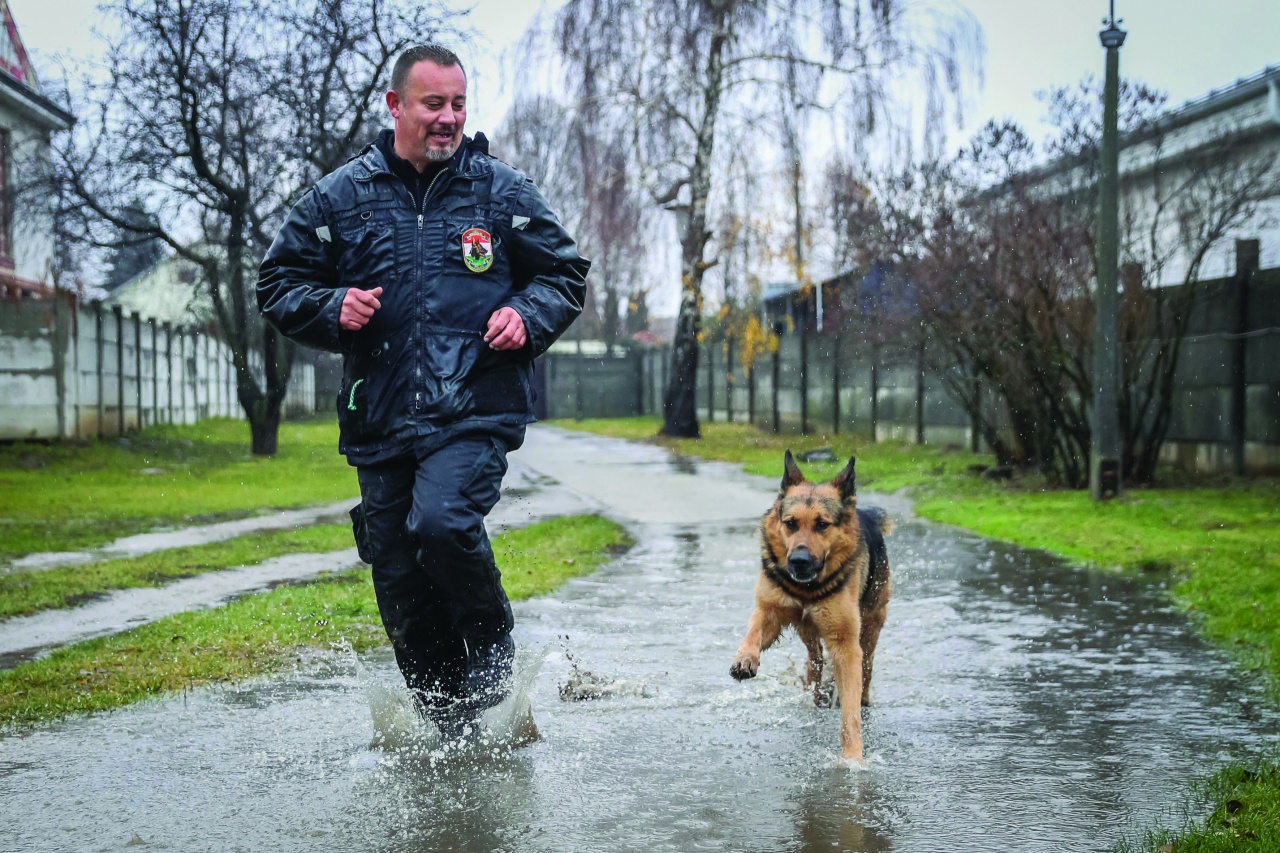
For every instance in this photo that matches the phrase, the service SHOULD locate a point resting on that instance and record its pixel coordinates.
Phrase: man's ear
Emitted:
(846, 483)
(393, 102)
(791, 475)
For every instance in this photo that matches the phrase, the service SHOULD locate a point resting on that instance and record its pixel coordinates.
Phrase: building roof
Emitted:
(1265, 82)
(19, 88)
(169, 292)
(1263, 85)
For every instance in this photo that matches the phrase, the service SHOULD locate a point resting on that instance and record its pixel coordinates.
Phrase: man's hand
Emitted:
(357, 307)
(506, 330)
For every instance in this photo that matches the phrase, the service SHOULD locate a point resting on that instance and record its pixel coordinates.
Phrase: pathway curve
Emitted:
(1020, 704)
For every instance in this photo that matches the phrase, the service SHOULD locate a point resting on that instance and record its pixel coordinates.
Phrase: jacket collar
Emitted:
(371, 161)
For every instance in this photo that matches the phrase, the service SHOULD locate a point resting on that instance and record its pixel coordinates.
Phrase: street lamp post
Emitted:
(1105, 455)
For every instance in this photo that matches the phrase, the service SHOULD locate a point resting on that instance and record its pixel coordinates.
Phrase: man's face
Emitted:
(429, 113)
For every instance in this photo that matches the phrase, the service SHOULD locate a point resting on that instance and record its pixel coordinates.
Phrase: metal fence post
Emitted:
(137, 365)
(920, 394)
(777, 373)
(119, 312)
(1247, 257)
(637, 358)
(875, 393)
(99, 332)
(835, 381)
(168, 365)
(804, 377)
(155, 374)
(711, 381)
(728, 380)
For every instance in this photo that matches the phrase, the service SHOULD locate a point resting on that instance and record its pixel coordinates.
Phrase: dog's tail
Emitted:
(881, 520)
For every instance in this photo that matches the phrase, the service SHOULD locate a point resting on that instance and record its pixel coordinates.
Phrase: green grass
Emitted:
(23, 593)
(265, 632)
(1220, 545)
(1217, 538)
(1245, 815)
(64, 496)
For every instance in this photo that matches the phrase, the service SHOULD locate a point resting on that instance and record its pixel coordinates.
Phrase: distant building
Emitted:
(27, 119)
(1246, 112)
(1238, 127)
(172, 291)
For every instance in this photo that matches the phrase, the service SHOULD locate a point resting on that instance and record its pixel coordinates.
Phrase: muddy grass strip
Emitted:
(24, 593)
(265, 632)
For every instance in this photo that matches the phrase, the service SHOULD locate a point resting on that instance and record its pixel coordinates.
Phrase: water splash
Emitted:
(397, 725)
(585, 685)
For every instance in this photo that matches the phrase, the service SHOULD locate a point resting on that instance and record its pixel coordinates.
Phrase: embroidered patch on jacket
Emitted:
(477, 249)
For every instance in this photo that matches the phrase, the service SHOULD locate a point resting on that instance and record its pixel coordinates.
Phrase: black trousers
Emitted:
(420, 524)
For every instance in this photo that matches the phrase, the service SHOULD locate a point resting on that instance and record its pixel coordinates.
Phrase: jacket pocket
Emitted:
(360, 530)
(501, 389)
(367, 239)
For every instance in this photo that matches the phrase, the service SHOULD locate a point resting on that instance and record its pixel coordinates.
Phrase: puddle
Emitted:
(1019, 704)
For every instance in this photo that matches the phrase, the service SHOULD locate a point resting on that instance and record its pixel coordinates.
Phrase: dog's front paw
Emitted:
(744, 667)
(824, 695)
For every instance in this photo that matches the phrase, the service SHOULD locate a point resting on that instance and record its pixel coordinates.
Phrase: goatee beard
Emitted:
(436, 155)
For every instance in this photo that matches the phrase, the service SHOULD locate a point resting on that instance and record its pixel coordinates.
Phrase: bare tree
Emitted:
(581, 167)
(217, 115)
(668, 71)
(1000, 256)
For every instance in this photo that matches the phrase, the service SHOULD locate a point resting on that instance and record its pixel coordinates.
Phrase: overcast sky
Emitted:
(1185, 47)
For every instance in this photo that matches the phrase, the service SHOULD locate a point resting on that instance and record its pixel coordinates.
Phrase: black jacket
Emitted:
(421, 365)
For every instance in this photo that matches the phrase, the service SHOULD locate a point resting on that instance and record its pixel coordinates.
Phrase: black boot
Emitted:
(452, 717)
(488, 678)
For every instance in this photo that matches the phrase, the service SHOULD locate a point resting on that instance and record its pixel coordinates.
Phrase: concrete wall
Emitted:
(69, 370)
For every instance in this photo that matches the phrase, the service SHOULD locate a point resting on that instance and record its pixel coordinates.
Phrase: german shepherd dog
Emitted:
(825, 571)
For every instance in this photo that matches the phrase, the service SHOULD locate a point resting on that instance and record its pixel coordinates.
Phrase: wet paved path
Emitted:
(1020, 704)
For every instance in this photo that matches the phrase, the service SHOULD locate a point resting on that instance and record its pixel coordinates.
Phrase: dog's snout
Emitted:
(802, 565)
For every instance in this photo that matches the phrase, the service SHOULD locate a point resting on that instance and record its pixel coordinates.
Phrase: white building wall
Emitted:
(33, 248)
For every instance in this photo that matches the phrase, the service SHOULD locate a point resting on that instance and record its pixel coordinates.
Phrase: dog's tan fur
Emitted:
(844, 607)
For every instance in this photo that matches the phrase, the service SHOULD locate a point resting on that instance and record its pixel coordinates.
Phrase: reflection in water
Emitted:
(1020, 704)
(836, 814)
(481, 803)
(683, 464)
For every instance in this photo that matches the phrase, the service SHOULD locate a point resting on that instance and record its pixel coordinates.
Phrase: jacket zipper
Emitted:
(422, 213)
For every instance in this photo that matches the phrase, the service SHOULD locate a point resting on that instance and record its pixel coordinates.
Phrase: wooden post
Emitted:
(751, 393)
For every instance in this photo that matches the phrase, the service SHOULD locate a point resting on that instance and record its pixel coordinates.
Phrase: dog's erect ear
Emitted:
(791, 475)
(846, 483)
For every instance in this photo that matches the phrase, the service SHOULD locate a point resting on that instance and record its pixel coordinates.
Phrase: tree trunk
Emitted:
(264, 427)
(679, 405)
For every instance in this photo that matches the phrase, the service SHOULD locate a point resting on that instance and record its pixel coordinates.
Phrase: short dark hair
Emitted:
(438, 54)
